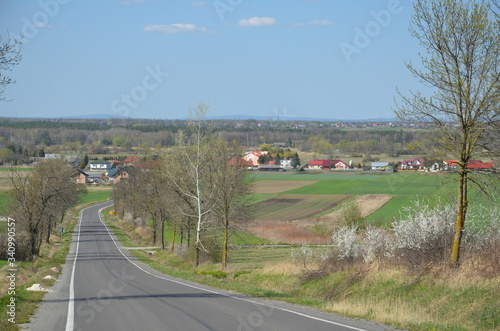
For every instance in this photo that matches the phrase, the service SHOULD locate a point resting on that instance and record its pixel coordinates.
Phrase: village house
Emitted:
(52, 156)
(476, 165)
(100, 165)
(94, 177)
(72, 160)
(80, 177)
(270, 167)
(253, 157)
(412, 164)
(130, 161)
(379, 165)
(325, 164)
(117, 175)
(341, 165)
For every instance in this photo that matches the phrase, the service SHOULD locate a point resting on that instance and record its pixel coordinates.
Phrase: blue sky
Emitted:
(156, 59)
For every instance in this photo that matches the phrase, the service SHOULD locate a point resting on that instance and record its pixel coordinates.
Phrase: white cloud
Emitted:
(199, 4)
(257, 21)
(321, 22)
(176, 28)
(315, 22)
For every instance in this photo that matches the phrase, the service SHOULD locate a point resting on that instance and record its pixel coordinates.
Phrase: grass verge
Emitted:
(437, 299)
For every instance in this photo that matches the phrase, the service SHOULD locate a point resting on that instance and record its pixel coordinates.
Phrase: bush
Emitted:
(350, 214)
(423, 236)
(22, 247)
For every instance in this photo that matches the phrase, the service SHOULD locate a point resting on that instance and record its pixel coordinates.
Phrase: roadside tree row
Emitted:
(39, 202)
(199, 189)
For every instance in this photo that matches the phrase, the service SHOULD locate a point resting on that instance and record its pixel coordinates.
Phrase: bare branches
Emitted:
(10, 56)
(42, 197)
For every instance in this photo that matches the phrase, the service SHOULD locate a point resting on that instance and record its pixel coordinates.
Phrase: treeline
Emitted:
(39, 202)
(199, 190)
(141, 136)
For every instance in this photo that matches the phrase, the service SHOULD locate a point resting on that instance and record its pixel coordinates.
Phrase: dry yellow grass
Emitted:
(446, 298)
(281, 268)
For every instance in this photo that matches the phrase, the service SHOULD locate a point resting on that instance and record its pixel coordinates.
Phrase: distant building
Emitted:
(130, 161)
(477, 165)
(52, 156)
(279, 144)
(379, 165)
(100, 165)
(72, 160)
(412, 164)
(270, 167)
(253, 157)
(80, 177)
(94, 177)
(325, 164)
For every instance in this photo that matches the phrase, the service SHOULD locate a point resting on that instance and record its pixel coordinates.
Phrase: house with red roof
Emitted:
(253, 157)
(324, 164)
(130, 161)
(412, 164)
(452, 165)
(240, 162)
(341, 165)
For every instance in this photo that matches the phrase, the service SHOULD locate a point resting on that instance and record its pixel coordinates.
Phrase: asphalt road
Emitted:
(103, 288)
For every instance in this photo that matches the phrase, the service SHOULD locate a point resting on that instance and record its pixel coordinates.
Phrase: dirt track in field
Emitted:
(367, 204)
(300, 231)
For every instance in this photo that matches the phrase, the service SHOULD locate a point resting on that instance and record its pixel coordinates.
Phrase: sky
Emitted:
(319, 59)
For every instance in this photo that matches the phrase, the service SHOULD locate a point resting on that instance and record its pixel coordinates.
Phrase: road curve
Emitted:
(103, 288)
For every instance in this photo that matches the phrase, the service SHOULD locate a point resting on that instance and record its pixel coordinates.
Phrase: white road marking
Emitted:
(71, 302)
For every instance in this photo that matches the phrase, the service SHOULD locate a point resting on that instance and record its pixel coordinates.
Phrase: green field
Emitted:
(96, 195)
(415, 184)
(289, 207)
(318, 175)
(17, 169)
(405, 187)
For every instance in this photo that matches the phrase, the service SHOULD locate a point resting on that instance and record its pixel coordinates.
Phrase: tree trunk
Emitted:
(174, 233)
(49, 230)
(155, 229)
(196, 255)
(33, 246)
(189, 231)
(461, 214)
(162, 233)
(226, 240)
(181, 235)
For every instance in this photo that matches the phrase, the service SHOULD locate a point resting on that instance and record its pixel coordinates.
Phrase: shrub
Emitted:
(21, 248)
(481, 240)
(350, 214)
(425, 236)
(345, 241)
(302, 255)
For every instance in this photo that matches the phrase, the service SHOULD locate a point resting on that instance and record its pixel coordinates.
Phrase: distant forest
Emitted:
(28, 137)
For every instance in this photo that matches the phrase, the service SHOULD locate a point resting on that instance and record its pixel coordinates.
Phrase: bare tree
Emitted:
(42, 197)
(10, 56)
(192, 153)
(461, 66)
(229, 177)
